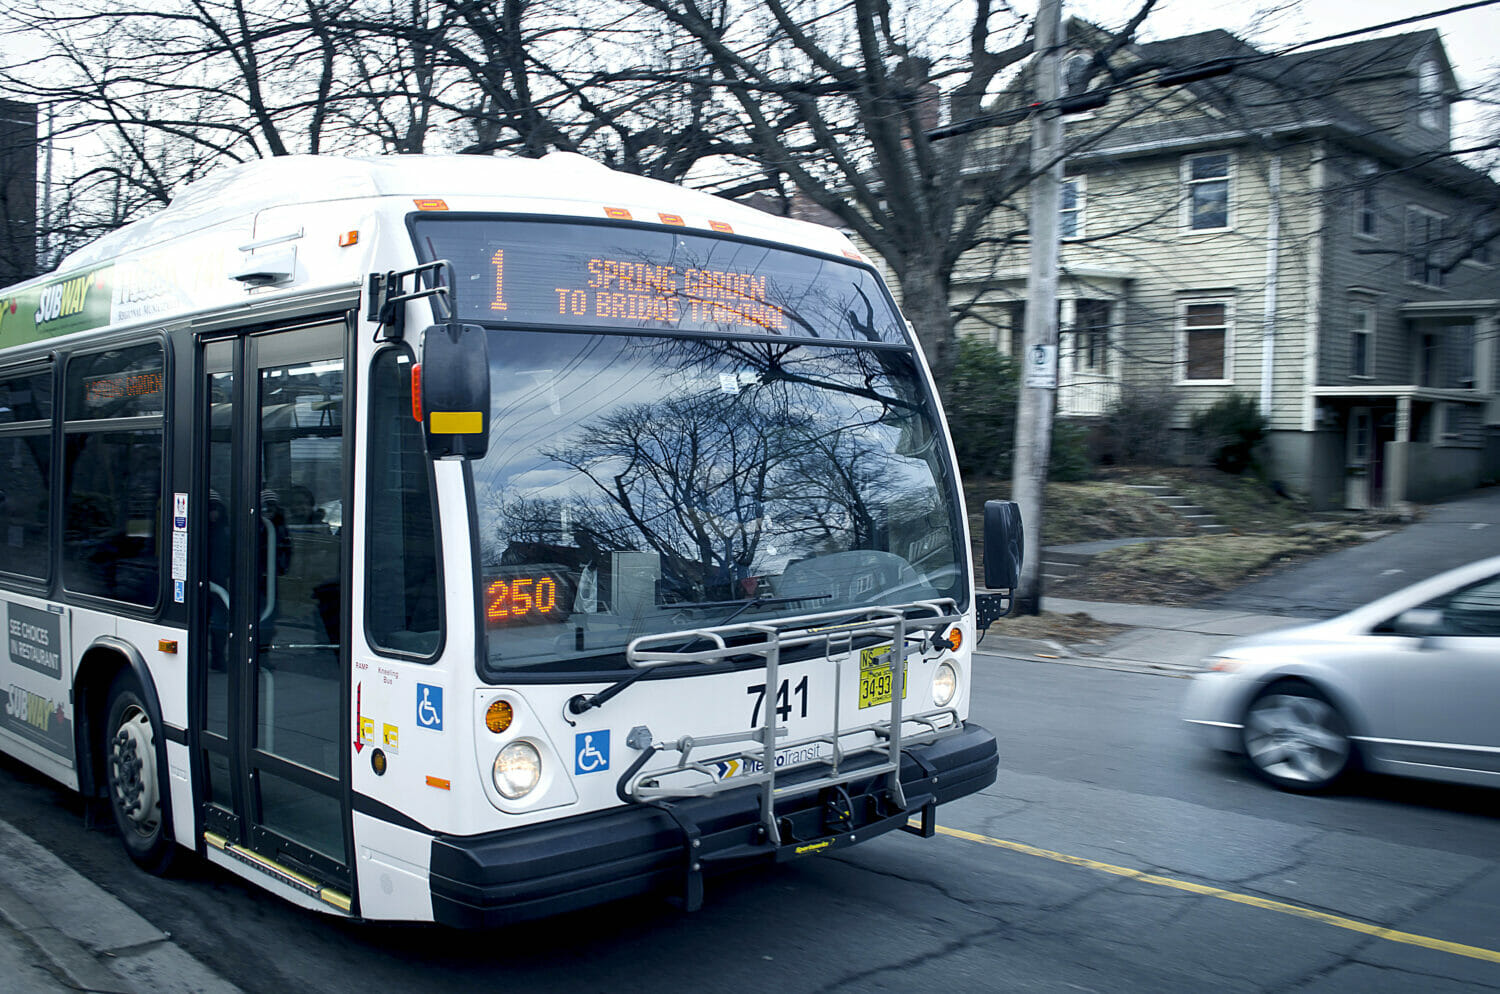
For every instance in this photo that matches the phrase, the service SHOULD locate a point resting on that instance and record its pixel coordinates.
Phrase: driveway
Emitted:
(1449, 534)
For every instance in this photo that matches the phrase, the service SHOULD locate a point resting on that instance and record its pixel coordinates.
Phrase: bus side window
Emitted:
(403, 609)
(113, 407)
(25, 473)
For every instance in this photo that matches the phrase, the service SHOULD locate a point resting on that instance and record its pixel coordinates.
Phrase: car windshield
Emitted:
(645, 484)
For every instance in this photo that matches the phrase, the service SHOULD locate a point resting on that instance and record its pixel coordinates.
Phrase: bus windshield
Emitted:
(644, 484)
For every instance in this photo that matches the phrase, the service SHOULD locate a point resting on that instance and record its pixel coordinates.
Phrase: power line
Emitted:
(1091, 99)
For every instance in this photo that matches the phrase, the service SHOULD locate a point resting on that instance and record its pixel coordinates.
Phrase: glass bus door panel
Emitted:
(282, 560)
(217, 607)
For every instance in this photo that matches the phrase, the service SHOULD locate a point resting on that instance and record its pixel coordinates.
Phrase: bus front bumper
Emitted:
(517, 874)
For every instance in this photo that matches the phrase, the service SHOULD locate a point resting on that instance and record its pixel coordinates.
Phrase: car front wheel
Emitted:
(1295, 739)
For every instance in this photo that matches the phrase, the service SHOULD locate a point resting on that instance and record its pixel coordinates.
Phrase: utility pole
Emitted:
(1039, 356)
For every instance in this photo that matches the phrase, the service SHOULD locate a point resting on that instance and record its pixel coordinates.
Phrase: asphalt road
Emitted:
(1098, 781)
(1447, 535)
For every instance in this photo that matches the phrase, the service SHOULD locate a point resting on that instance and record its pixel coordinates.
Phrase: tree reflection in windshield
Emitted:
(653, 484)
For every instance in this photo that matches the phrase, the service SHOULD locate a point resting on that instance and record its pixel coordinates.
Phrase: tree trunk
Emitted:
(924, 299)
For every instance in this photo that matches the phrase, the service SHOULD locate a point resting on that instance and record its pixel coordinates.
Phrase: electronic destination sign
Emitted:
(602, 276)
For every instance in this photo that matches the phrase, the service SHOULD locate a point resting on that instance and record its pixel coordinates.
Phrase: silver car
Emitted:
(1408, 684)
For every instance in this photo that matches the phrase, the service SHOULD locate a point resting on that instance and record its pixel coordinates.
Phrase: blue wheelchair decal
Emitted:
(429, 707)
(590, 752)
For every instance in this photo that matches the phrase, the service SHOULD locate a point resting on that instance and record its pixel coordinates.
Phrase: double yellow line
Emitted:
(1280, 907)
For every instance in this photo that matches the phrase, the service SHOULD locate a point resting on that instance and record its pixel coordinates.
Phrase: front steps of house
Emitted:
(1060, 563)
(1184, 508)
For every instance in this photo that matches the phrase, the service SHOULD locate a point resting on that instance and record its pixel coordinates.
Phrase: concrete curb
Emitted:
(85, 934)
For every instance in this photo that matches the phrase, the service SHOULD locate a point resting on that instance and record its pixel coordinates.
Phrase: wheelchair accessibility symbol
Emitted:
(590, 752)
(429, 707)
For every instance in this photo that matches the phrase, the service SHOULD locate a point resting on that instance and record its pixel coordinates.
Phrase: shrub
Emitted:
(1137, 429)
(1229, 431)
(980, 399)
(1069, 461)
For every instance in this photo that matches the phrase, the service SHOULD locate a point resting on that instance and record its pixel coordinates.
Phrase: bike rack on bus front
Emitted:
(837, 631)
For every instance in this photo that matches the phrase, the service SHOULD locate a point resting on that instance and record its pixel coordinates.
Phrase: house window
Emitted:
(1447, 357)
(1359, 436)
(1070, 213)
(1424, 232)
(1207, 178)
(1430, 95)
(1361, 338)
(1015, 318)
(1484, 233)
(1204, 339)
(1461, 362)
(1366, 209)
(1091, 336)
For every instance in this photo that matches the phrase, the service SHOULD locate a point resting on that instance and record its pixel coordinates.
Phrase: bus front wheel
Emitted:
(136, 785)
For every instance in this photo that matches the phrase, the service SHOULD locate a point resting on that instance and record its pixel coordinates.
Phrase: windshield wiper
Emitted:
(581, 703)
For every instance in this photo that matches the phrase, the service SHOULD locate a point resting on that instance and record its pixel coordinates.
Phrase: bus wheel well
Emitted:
(96, 671)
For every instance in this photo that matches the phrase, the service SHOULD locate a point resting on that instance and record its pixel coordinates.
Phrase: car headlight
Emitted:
(518, 769)
(944, 684)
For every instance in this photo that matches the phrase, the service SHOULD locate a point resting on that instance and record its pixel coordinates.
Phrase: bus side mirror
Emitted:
(455, 390)
(1004, 546)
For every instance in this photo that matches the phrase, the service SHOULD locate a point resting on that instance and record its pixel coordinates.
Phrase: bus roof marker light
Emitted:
(722, 226)
(617, 213)
(672, 219)
(430, 204)
(348, 238)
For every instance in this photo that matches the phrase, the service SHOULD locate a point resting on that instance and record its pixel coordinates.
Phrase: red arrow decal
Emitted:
(358, 694)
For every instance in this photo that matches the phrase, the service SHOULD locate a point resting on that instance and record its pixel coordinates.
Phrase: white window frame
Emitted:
(1483, 229)
(1362, 324)
(1366, 207)
(1407, 247)
(1079, 211)
(1083, 338)
(1181, 364)
(1228, 179)
(1430, 95)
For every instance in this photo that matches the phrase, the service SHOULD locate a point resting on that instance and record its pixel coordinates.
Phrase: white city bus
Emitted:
(469, 539)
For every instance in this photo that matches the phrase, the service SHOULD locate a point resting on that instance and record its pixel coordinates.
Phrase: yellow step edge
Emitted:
(328, 895)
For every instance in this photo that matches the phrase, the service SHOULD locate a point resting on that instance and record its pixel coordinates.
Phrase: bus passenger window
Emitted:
(25, 473)
(112, 476)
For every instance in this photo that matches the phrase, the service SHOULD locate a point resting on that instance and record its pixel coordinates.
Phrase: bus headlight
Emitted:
(944, 684)
(518, 769)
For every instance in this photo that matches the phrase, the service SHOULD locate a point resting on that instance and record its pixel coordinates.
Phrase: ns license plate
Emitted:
(876, 676)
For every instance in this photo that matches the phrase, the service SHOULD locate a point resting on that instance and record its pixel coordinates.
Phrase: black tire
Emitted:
(1295, 739)
(134, 773)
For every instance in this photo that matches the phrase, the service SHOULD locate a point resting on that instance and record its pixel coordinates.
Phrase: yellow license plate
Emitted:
(876, 676)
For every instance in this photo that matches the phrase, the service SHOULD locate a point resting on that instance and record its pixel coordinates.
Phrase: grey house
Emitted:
(1297, 231)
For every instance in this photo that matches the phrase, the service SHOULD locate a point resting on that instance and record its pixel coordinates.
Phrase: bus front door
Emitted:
(272, 660)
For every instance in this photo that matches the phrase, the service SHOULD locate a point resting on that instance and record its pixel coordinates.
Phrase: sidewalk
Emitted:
(1168, 640)
(61, 932)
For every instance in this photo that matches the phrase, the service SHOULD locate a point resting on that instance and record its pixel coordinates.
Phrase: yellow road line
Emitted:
(1338, 921)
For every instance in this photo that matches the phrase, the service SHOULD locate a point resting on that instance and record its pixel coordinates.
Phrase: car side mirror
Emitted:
(1004, 548)
(1421, 622)
(454, 390)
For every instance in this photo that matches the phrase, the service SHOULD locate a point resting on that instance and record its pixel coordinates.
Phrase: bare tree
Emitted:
(845, 100)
